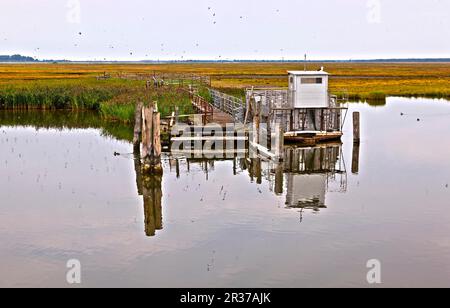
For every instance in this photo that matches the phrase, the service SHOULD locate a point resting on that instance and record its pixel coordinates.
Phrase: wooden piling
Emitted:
(147, 125)
(151, 140)
(137, 126)
(256, 123)
(280, 143)
(157, 136)
(356, 128)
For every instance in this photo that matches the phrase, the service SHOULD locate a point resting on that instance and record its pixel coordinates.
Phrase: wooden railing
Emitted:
(203, 107)
(229, 104)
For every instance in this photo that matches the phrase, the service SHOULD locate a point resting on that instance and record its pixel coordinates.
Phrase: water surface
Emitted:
(313, 222)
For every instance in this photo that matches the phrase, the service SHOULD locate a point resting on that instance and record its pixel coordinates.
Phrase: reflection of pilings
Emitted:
(279, 179)
(138, 169)
(177, 162)
(355, 159)
(256, 170)
(149, 186)
(152, 203)
(311, 160)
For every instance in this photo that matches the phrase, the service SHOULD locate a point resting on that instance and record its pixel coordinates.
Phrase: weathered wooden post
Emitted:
(256, 122)
(356, 128)
(147, 125)
(279, 142)
(157, 149)
(151, 140)
(138, 127)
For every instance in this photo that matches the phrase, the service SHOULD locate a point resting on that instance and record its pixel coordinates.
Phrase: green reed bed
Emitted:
(114, 99)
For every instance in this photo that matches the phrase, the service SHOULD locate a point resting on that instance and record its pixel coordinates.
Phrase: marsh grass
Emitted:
(74, 86)
(114, 99)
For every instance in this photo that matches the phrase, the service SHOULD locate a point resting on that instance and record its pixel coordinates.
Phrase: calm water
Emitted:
(309, 223)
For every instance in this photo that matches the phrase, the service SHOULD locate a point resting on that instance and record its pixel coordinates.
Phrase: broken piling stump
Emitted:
(151, 140)
(147, 129)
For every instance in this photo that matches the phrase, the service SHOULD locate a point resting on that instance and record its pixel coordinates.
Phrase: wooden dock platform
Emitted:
(311, 138)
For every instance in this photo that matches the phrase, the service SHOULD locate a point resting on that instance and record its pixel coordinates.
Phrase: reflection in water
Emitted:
(305, 175)
(149, 186)
(309, 174)
(152, 203)
(64, 119)
(355, 158)
(65, 195)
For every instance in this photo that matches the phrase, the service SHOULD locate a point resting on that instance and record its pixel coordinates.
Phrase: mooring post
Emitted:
(356, 128)
(280, 134)
(256, 123)
(147, 118)
(137, 126)
(277, 141)
(151, 140)
(156, 155)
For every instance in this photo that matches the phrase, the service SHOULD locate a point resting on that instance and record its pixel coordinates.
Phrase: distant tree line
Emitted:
(16, 58)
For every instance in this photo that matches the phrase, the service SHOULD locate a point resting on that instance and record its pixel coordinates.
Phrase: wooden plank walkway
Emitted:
(221, 118)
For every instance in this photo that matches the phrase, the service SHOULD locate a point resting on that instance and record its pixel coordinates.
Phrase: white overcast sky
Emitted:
(240, 29)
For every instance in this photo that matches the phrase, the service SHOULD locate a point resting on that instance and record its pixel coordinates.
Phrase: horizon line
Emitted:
(413, 59)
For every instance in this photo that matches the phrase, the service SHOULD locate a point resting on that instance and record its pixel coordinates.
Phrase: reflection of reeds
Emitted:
(66, 120)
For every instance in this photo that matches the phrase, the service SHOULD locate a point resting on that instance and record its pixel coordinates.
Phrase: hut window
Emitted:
(312, 81)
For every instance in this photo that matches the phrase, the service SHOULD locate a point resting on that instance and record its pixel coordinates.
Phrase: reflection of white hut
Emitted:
(306, 190)
(308, 175)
